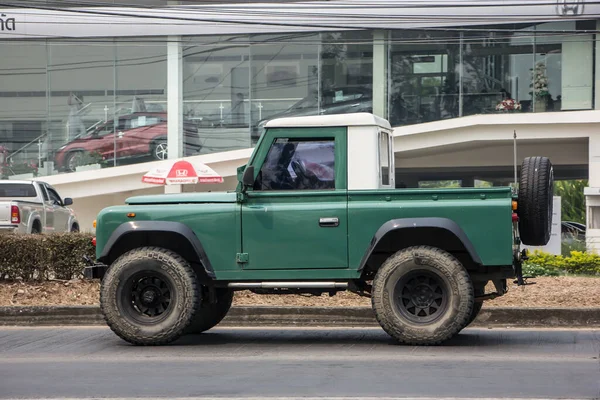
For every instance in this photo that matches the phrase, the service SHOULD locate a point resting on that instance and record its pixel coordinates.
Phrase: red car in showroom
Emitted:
(137, 135)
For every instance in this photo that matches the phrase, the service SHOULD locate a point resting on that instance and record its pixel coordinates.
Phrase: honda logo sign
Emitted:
(569, 7)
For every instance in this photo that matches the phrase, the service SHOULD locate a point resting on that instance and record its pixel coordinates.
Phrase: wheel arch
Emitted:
(35, 220)
(398, 234)
(155, 141)
(169, 235)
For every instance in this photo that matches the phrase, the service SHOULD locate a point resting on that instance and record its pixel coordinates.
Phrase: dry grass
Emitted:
(547, 292)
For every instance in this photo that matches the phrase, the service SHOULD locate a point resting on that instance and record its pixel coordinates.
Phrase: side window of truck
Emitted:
(54, 197)
(298, 164)
(384, 158)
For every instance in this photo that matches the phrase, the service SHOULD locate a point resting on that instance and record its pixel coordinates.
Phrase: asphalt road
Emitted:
(86, 362)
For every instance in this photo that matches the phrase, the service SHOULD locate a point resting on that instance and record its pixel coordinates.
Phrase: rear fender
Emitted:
(35, 216)
(407, 224)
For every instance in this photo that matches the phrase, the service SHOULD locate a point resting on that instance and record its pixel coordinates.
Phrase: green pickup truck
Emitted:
(316, 211)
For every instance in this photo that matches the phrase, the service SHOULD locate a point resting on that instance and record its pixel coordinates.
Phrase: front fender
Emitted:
(72, 220)
(157, 227)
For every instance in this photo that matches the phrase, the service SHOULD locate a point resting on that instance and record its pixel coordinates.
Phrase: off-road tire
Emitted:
(477, 305)
(210, 314)
(116, 300)
(536, 191)
(430, 261)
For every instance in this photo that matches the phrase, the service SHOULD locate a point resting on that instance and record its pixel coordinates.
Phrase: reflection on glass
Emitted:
(504, 69)
(284, 77)
(216, 93)
(80, 76)
(73, 106)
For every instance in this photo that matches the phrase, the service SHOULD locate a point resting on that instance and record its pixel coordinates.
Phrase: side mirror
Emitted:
(67, 201)
(248, 178)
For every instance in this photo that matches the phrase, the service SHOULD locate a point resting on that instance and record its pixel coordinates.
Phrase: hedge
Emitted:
(60, 256)
(577, 263)
(43, 257)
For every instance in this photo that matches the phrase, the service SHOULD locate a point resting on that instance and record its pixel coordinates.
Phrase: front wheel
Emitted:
(160, 149)
(73, 160)
(422, 296)
(210, 314)
(149, 296)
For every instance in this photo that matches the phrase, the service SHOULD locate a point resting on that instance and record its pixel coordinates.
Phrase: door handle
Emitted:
(258, 208)
(329, 222)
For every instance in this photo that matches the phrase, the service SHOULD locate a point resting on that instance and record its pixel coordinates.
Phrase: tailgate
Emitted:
(4, 212)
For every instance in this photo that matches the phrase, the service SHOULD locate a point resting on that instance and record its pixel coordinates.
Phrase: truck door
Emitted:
(295, 216)
(61, 215)
(48, 218)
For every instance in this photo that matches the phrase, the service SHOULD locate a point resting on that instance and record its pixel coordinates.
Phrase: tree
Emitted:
(572, 199)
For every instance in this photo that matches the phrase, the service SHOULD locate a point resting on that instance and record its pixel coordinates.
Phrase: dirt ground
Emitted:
(546, 292)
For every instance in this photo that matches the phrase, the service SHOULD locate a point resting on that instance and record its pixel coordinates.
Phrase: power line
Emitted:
(371, 20)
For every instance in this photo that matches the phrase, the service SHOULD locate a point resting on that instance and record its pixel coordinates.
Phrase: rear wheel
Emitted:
(535, 208)
(36, 228)
(422, 296)
(149, 296)
(477, 305)
(210, 314)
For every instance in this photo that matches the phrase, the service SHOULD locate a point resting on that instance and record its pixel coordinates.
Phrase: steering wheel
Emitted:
(306, 179)
(300, 169)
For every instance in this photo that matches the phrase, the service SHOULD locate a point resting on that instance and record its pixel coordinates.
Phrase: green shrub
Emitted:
(42, 257)
(540, 270)
(572, 245)
(577, 263)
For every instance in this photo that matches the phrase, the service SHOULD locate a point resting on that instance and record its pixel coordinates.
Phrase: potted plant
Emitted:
(539, 85)
(508, 105)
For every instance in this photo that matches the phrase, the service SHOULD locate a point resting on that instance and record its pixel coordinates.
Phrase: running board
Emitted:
(288, 285)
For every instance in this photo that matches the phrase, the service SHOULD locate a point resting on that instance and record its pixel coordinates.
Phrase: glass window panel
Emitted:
(216, 92)
(284, 77)
(496, 69)
(140, 102)
(81, 82)
(346, 81)
(23, 106)
(424, 76)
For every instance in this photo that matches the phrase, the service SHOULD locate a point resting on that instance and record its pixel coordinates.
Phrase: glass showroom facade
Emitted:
(72, 105)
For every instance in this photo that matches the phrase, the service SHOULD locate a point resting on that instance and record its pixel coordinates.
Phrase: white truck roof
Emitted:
(354, 119)
(15, 181)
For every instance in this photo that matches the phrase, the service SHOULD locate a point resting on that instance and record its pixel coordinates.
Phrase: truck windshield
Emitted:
(17, 190)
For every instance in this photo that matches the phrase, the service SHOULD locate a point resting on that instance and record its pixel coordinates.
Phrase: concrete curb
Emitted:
(312, 316)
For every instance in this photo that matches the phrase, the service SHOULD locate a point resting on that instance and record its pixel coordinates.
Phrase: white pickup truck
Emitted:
(34, 207)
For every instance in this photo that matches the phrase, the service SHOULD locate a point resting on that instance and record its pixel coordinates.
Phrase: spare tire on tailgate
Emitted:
(536, 191)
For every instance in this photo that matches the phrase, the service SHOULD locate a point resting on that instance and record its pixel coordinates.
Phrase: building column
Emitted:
(380, 76)
(592, 197)
(174, 103)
